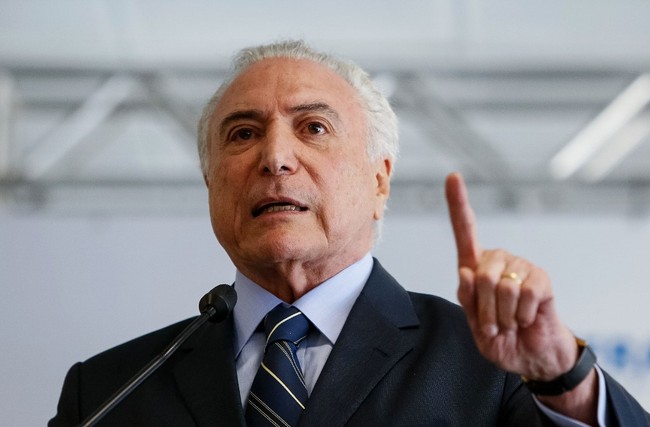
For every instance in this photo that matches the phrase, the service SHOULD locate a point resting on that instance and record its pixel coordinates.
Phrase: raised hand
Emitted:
(508, 301)
(509, 306)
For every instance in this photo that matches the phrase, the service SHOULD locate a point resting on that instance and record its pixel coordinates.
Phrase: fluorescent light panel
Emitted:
(600, 131)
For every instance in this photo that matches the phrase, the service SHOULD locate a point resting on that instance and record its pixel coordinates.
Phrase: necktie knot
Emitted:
(285, 324)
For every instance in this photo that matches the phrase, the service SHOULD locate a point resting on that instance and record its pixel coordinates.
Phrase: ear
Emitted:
(382, 176)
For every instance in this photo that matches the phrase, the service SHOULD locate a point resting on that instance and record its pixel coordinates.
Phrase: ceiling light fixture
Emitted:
(599, 132)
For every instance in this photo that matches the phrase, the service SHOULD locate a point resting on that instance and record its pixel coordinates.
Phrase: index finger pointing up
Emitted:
(463, 221)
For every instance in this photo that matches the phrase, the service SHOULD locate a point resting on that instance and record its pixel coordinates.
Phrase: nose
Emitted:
(278, 152)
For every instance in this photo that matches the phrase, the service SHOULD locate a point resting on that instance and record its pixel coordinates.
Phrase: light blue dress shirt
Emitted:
(327, 307)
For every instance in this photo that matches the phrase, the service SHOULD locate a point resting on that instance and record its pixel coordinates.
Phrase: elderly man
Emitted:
(297, 151)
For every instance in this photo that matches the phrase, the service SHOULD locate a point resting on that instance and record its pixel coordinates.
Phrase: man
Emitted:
(297, 151)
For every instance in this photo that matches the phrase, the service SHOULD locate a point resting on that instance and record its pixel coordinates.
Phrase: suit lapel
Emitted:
(206, 376)
(375, 337)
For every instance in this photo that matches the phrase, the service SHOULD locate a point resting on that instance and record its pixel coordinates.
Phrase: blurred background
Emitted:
(544, 106)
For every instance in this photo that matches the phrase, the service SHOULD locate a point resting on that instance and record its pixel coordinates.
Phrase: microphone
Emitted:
(218, 303)
(214, 306)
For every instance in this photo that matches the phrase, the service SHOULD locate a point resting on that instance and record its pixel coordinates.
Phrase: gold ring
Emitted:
(513, 276)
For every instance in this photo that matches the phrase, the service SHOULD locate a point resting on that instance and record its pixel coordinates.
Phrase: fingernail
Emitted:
(490, 330)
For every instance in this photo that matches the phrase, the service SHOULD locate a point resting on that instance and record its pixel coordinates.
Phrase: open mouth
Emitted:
(278, 207)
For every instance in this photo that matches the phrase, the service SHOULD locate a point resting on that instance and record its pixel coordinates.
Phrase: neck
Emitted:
(291, 280)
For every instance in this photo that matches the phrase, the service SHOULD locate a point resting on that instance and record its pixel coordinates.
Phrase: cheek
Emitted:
(224, 194)
(218, 214)
(227, 179)
(353, 190)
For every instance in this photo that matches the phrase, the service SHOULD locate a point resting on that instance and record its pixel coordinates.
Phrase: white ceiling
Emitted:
(99, 99)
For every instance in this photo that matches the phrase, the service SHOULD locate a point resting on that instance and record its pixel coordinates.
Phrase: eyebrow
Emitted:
(319, 107)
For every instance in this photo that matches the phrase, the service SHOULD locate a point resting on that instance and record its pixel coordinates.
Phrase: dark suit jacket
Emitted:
(402, 359)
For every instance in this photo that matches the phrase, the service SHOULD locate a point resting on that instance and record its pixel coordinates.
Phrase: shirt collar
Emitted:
(327, 306)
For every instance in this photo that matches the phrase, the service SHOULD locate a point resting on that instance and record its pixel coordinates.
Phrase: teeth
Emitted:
(280, 208)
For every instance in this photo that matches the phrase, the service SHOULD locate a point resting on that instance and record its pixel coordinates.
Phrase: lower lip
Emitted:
(274, 213)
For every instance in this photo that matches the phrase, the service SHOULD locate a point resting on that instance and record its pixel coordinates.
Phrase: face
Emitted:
(289, 179)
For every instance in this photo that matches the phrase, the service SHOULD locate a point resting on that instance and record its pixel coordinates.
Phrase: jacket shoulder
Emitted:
(138, 349)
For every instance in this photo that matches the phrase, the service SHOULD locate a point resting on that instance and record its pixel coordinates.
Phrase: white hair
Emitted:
(381, 120)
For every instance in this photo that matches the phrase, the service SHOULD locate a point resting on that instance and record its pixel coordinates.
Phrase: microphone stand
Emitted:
(215, 306)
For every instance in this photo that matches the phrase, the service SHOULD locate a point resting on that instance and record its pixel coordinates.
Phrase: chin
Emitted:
(290, 252)
(283, 248)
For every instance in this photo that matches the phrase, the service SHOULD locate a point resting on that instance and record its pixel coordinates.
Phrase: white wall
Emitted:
(71, 287)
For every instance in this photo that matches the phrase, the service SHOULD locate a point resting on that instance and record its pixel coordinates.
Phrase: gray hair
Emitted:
(382, 123)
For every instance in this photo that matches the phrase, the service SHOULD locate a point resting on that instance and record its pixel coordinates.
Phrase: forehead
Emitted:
(283, 83)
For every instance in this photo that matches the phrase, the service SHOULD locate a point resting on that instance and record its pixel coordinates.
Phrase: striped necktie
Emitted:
(278, 394)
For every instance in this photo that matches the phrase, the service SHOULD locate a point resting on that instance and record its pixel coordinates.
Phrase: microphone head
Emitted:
(218, 303)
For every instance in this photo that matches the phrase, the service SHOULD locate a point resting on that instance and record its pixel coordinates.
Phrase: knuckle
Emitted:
(485, 278)
(532, 293)
(501, 253)
(486, 314)
(507, 289)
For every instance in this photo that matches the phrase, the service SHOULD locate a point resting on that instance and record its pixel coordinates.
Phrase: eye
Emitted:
(316, 128)
(242, 134)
